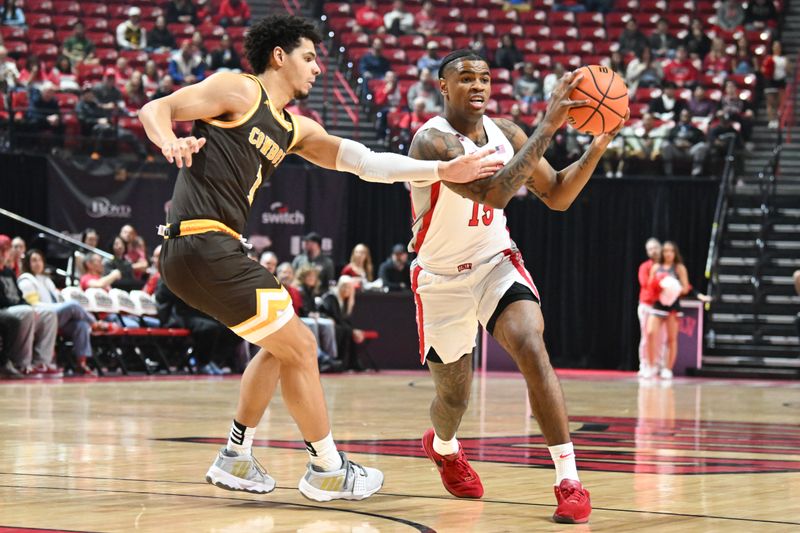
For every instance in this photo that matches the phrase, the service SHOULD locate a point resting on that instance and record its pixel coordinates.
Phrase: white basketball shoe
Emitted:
(351, 482)
(232, 471)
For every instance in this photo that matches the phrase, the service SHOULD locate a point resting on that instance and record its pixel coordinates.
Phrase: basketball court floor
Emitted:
(131, 455)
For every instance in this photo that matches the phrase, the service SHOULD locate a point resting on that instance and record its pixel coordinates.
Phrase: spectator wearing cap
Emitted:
(160, 39)
(182, 11)
(312, 255)
(427, 21)
(77, 47)
(234, 13)
(395, 272)
(431, 59)
(186, 65)
(130, 33)
(225, 57)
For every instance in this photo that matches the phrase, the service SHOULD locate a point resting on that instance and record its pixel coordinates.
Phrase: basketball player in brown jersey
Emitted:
(241, 134)
(492, 276)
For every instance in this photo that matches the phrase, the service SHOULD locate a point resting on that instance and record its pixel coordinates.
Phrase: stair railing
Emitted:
(720, 212)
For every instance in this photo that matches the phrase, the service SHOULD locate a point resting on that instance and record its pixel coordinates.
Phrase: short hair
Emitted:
(458, 54)
(274, 31)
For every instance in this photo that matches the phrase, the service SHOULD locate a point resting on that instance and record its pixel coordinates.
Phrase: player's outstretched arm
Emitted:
(224, 94)
(328, 151)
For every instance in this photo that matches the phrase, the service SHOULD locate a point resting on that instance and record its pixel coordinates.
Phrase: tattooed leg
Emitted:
(453, 383)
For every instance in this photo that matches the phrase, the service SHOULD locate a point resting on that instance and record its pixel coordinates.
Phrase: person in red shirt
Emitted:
(416, 118)
(426, 20)
(646, 300)
(152, 282)
(368, 16)
(681, 71)
(94, 277)
(234, 13)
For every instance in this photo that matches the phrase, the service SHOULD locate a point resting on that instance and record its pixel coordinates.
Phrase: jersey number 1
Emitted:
(488, 214)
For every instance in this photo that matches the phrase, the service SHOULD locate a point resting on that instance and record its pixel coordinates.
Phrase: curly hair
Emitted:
(283, 31)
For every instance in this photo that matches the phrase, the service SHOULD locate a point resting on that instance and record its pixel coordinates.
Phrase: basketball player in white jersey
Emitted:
(468, 270)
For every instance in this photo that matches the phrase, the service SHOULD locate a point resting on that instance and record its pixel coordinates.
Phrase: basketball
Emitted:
(608, 100)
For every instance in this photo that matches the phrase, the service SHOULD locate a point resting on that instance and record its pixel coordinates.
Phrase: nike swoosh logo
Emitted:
(564, 456)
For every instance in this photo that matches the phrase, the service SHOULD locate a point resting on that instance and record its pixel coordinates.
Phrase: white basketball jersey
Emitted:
(451, 233)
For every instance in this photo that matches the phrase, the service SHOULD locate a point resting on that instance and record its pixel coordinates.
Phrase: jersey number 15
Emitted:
(488, 215)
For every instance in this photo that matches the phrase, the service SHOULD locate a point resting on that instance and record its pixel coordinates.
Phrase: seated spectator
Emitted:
(150, 78)
(269, 261)
(154, 273)
(360, 266)
(427, 89)
(368, 16)
(700, 105)
(744, 62)
(63, 76)
(187, 66)
(643, 71)
(16, 255)
(11, 14)
(427, 21)
(89, 237)
(135, 252)
(667, 106)
(131, 35)
(109, 97)
(479, 46)
(77, 47)
(717, 62)
(95, 123)
(641, 142)
(226, 57)
(661, 43)
(34, 347)
(551, 80)
(775, 70)
(122, 72)
(730, 15)
(632, 40)
(338, 304)
(387, 94)
(302, 109)
(431, 59)
(516, 118)
(203, 11)
(398, 21)
(739, 109)
(127, 280)
(528, 87)
(34, 73)
(685, 142)
(615, 62)
(412, 121)
(198, 41)
(720, 136)
(94, 277)
(9, 330)
(182, 11)
(373, 64)
(395, 272)
(697, 43)
(160, 39)
(9, 74)
(166, 86)
(44, 114)
(760, 14)
(508, 56)
(680, 70)
(135, 96)
(312, 255)
(234, 13)
(74, 323)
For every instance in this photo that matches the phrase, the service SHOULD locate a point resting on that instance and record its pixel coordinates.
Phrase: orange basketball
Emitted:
(608, 100)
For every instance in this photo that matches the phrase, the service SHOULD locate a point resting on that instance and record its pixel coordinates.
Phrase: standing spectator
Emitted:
(646, 301)
(302, 109)
(632, 39)
(395, 272)
(234, 13)
(187, 66)
(775, 69)
(643, 71)
(63, 76)
(667, 106)
(135, 96)
(697, 43)
(428, 90)
(9, 74)
(681, 70)
(11, 14)
(738, 108)
(16, 254)
(360, 266)
(508, 56)
(160, 39)
(528, 87)
(131, 35)
(166, 86)
(551, 79)
(398, 21)
(700, 105)
(368, 16)
(373, 64)
(730, 15)
(760, 14)
(717, 62)
(427, 21)
(338, 304)
(661, 42)
(685, 141)
(77, 47)
(226, 57)
(312, 255)
(44, 114)
(479, 46)
(182, 11)
(431, 59)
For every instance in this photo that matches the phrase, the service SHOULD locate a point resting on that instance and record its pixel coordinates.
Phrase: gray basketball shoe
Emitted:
(351, 482)
(232, 471)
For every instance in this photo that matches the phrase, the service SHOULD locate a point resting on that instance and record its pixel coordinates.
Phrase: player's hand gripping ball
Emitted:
(607, 97)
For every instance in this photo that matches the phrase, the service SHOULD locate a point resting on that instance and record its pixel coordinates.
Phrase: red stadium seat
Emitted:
(180, 30)
(550, 47)
(500, 75)
(39, 20)
(531, 46)
(4, 114)
(455, 28)
(94, 9)
(66, 7)
(406, 72)
(17, 48)
(65, 21)
(104, 39)
(38, 6)
(41, 35)
(744, 81)
(533, 17)
(537, 32)
(501, 91)
(409, 42)
(236, 33)
(354, 39)
(46, 51)
(412, 56)
(645, 94)
(97, 24)
(569, 61)
(337, 8)
(119, 11)
(637, 109)
(13, 32)
(539, 60)
(396, 55)
(19, 104)
(107, 56)
(590, 20)
(475, 15)
(89, 73)
(67, 100)
(579, 47)
(561, 18)
(340, 25)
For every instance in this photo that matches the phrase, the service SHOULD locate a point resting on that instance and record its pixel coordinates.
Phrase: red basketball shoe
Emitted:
(574, 504)
(458, 477)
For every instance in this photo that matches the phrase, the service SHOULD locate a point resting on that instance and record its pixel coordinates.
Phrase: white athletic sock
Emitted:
(240, 439)
(445, 447)
(323, 454)
(564, 458)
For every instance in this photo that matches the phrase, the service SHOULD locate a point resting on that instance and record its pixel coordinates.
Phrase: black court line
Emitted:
(401, 495)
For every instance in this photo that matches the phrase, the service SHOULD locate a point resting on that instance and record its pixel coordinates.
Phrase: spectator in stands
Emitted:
(187, 66)
(234, 13)
(11, 14)
(508, 56)
(120, 263)
(368, 16)
(89, 237)
(150, 78)
(744, 62)
(697, 43)
(131, 35)
(479, 46)
(109, 97)
(632, 40)
(775, 69)
(700, 105)
(122, 72)
(681, 70)
(428, 90)
(182, 11)
(16, 254)
(431, 59)
(74, 323)
(166, 86)
(77, 47)
(398, 21)
(95, 122)
(302, 108)
(720, 136)
(551, 79)
(641, 142)
(661, 42)
(516, 117)
(668, 105)
(160, 39)
(203, 10)
(269, 261)
(308, 284)
(685, 142)
(360, 266)
(9, 74)
(199, 44)
(44, 114)
(135, 96)
(154, 273)
(34, 73)
(338, 304)
(135, 249)
(643, 71)
(730, 15)
(760, 14)
(9, 330)
(395, 272)
(226, 57)
(95, 278)
(387, 95)
(412, 121)
(63, 76)
(312, 255)
(528, 86)
(427, 21)
(603, 6)
(374, 64)
(738, 108)
(717, 62)
(616, 62)
(33, 348)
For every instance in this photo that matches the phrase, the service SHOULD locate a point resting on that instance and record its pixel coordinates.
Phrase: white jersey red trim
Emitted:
(452, 234)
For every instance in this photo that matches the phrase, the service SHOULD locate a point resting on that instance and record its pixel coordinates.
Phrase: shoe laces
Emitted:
(460, 465)
(573, 494)
(259, 467)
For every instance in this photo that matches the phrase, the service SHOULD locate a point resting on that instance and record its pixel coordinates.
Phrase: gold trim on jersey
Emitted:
(241, 120)
(273, 310)
(281, 120)
(295, 134)
(203, 225)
